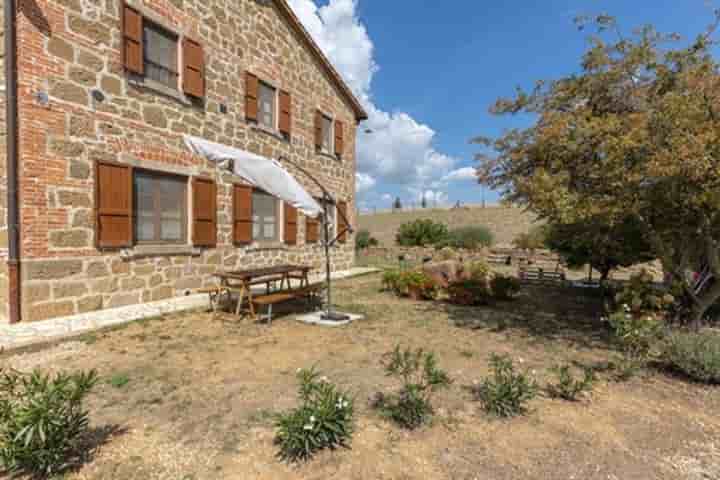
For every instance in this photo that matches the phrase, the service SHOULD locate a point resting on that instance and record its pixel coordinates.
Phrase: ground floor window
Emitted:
(265, 217)
(160, 208)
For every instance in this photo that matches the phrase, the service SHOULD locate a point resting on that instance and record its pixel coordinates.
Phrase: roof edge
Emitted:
(360, 113)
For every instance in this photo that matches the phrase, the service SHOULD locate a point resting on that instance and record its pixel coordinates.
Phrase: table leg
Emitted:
(250, 300)
(241, 297)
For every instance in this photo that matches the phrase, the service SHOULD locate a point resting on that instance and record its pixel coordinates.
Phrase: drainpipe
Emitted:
(11, 119)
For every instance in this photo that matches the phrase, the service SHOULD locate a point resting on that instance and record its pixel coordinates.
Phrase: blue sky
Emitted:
(429, 71)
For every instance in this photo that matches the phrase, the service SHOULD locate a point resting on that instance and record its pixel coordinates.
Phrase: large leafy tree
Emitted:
(634, 134)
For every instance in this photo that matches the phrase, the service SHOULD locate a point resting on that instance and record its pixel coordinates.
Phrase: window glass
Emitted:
(265, 217)
(160, 208)
(327, 134)
(266, 110)
(161, 55)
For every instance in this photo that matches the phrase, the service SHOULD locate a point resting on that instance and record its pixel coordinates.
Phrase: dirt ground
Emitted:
(189, 397)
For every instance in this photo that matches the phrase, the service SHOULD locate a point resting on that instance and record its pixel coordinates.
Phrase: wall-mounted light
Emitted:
(98, 96)
(42, 98)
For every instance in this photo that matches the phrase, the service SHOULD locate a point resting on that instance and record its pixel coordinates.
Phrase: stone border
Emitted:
(23, 335)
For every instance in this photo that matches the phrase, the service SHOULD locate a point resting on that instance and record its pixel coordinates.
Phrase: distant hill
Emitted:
(505, 222)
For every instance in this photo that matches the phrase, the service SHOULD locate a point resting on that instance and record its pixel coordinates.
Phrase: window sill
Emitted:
(145, 251)
(266, 246)
(325, 154)
(159, 88)
(256, 127)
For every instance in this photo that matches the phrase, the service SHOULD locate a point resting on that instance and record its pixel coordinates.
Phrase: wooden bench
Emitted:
(499, 259)
(271, 299)
(541, 275)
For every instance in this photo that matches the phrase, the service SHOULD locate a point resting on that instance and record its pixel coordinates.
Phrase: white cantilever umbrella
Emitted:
(261, 172)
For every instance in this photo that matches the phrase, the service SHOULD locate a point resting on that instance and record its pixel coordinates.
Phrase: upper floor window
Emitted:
(160, 208)
(265, 217)
(266, 105)
(161, 55)
(327, 134)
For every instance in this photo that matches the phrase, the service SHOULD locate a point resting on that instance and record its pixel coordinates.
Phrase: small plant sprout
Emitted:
(421, 377)
(323, 420)
(567, 386)
(506, 393)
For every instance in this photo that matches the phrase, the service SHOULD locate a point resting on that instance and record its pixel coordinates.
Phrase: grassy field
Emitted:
(190, 397)
(505, 223)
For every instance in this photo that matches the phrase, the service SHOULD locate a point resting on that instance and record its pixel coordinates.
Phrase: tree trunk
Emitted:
(704, 302)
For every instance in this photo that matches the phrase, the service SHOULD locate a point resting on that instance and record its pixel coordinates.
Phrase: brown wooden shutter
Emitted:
(285, 123)
(318, 130)
(312, 230)
(242, 215)
(291, 224)
(193, 68)
(342, 224)
(204, 212)
(339, 138)
(113, 205)
(132, 45)
(251, 97)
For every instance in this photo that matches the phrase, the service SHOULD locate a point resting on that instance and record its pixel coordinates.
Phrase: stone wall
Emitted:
(72, 47)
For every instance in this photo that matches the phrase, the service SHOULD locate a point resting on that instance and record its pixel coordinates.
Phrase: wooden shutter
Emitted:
(132, 44)
(251, 97)
(318, 130)
(291, 224)
(242, 215)
(312, 230)
(193, 68)
(342, 223)
(285, 123)
(204, 212)
(113, 205)
(339, 138)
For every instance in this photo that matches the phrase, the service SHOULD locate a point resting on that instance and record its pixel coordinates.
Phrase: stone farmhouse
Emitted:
(102, 205)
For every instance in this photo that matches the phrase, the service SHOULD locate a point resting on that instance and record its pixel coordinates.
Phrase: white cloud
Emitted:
(387, 197)
(461, 175)
(364, 182)
(400, 149)
(432, 197)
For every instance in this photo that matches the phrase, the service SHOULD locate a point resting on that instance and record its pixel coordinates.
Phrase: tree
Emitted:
(635, 134)
(596, 243)
(397, 205)
(423, 203)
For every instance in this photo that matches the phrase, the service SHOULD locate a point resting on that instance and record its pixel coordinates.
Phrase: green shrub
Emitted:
(640, 295)
(637, 333)
(42, 420)
(506, 393)
(532, 240)
(696, 355)
(364, 239)
(504, 288)
(421, 233)
(469, 238)
(479, 270)
(323, 420)
(469, 292)
(567, 386)
(421, 378)
(414, 283)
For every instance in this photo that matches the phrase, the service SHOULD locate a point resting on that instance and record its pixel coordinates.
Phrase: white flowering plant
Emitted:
(636, 332)
(324, 419)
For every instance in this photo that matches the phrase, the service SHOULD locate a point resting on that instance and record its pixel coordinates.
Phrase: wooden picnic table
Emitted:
(242, 281)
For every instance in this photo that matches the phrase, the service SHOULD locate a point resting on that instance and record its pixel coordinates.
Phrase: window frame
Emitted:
(157, 218)
(275, 106)
(279, 219)
(331, 132)
(163, 29)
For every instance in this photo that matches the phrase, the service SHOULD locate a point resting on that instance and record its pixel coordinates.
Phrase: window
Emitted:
(266, 105)
(327, 134)
(265, 217)
(160, 208)
(160, 55)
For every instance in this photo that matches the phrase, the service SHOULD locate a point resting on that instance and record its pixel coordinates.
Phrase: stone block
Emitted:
(79, 170)
(70, 239)
(67, 198)
(35, 293)
(90, 304)
(120, 267)
(97, 270)
(132, 283)
(64, 148)
(69, 289)
(155, 116)
(83, 77)
(58, 47)
(162, 293)
(111, 85)
(124, 299)
(95, 31)
(70, 92)
(106, 285)
(51, 269)
(82, 126)
(90, 61)
(83, 219)
(45, 311)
